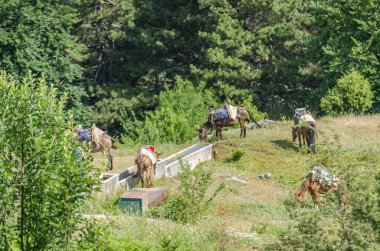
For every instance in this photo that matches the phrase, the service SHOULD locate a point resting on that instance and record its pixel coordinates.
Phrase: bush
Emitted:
(352, 94)
(236, 155)
(191, 202)
(180, 111)
(42, 185)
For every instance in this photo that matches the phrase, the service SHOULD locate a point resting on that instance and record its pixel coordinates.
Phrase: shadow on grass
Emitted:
(285, 144)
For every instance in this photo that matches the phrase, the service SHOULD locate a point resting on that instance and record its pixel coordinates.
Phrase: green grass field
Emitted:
(252, 215)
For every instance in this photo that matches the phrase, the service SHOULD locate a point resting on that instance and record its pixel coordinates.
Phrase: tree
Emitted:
(42, 182)
(352, 94)
(180, 111)
(36, 36)
(224, 62)
(345, 36)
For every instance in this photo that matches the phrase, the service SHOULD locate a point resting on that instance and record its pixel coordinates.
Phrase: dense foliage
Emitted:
(114, 57)
(181, 110)
(43, 185)
(352, 94)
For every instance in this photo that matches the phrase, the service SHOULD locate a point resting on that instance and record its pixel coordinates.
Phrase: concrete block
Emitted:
(134, 202)
(156, 195)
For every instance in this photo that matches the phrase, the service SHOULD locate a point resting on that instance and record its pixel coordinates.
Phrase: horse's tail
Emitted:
(252, 118)
(137, 174)
(113, 143)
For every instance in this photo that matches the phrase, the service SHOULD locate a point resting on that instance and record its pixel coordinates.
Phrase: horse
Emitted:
(145, 164)
(308, 132)
(315, 188)
(100, 142)
(242, 111)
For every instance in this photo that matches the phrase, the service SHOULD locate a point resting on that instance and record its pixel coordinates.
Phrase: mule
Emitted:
(307, 132)
(99, 141)
(145, 164)
(315, 188)
(242, 112)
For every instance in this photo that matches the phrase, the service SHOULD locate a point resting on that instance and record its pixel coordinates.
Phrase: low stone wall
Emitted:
(167, 167)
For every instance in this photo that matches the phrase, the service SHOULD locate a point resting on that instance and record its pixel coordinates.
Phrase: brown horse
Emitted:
(315, 188)
(242, 112)
(145, 164)
(100, 142)
(307, 131)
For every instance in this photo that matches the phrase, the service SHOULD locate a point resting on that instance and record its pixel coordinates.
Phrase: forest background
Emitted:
(148, 70)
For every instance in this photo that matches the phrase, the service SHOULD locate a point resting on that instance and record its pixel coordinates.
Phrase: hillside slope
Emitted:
(253, 213)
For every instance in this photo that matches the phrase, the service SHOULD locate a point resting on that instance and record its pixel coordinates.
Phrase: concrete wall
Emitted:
(167, 167)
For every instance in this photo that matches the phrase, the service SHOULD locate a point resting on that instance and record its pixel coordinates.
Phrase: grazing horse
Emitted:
(308, 132)
(145, 164)
(242, 112)
(315, 188)
(100, 142)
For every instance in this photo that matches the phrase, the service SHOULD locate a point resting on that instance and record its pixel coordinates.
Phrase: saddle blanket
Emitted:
(220, 114)
(152, 156)
(83, 134)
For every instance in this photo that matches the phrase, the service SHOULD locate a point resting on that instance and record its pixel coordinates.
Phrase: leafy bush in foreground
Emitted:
(191, 202)
(42, 185)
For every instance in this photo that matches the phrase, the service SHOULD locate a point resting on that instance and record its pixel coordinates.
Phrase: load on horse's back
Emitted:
(100, 141)
(226, 116)
(305, 126)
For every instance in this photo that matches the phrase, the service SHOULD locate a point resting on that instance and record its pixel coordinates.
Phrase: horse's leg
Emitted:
(303, 138)
(219, 132)
(142, 178)
(150, 177)
(299, 139)
(312, 140)
(110, 160)
(308, 141)
(243, 128)
(314, 195)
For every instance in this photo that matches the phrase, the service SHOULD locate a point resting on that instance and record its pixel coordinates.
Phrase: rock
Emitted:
(236, 179)
(265, 176)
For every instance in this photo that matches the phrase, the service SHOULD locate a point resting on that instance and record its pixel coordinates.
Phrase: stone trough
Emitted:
(167, 167)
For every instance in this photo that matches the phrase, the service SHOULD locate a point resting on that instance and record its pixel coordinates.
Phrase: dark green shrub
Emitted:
(180, 111)
(352, 94)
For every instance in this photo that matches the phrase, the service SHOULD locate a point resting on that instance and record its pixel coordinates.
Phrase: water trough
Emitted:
(167, 167)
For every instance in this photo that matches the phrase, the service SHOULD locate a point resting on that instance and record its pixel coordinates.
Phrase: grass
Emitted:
(247, 216)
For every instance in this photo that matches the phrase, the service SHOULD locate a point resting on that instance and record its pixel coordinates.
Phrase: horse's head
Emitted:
(158, 155)
(202, 133)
